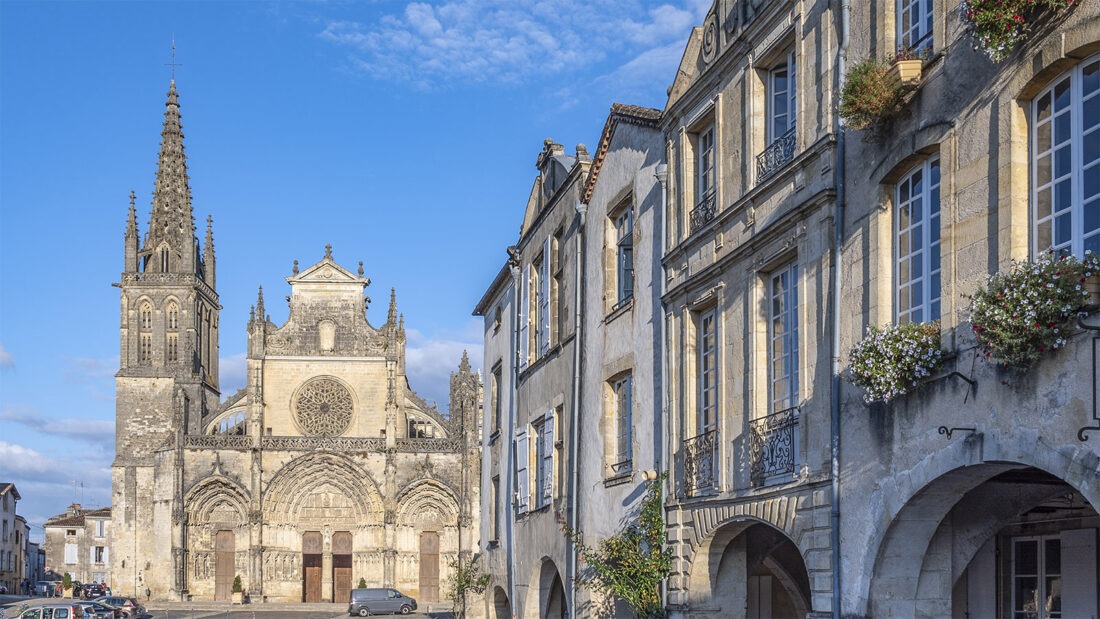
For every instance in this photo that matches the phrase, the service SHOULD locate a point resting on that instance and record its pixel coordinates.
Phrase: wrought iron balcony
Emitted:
(704, 211)
(700, 453)
(775, 156)
(773, 448)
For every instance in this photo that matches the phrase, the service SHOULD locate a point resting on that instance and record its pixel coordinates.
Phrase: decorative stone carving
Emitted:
(324, 407)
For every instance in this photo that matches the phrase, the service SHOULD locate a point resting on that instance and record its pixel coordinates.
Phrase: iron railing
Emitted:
(773, 448)
(704, 211)
(775, 156)
(700, 454)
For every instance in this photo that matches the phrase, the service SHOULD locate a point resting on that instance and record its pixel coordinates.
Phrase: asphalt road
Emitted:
(10, 605)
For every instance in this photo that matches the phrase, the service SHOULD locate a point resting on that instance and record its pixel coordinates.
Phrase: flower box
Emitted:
(238, 597)
(906, 72)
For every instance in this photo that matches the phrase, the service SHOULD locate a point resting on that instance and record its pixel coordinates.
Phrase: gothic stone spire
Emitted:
(172, 221)
(208, 252)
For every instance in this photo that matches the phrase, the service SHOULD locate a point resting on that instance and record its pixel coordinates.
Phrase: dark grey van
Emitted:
(377, 600)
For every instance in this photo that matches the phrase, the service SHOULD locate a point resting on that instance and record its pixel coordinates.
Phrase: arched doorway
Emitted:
(990, 540)
(551, 593)
(753, 568)
(502, 609)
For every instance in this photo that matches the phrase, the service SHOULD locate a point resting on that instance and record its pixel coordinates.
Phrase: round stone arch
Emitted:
(896, 562)
(217, 500)
(427, 499)
(546, 592)
(777, 554)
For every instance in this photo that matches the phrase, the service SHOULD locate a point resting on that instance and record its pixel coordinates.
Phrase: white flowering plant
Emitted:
(1024, 312)
(894, 359)
(997, 26)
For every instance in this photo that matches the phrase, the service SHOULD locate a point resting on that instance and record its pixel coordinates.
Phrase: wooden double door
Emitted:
(225, 550)
(313, 565)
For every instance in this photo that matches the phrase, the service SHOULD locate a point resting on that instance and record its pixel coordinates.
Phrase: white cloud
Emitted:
(508, 41)
(431, 360)
(25, 465)
(6, 360)
(233, 373)
(98, 432)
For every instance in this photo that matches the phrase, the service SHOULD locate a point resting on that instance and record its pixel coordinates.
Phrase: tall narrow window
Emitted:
(172, 316)
(624, 420)
(708, 373)
(781, 99)
(494, 525)
(624, 255)
(537, 306)
(163, 259)
(171, 347)
(544, 456)
(557, 300)
(1066, 163)
(705, 164)
(494, 395)
(145, 348)
(917, 244)
(146, 316)
(783, 338)
(522, 472)
(914, 21)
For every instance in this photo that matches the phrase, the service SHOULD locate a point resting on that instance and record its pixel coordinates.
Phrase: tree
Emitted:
(466, 578)
(362, 583)
(631, 564)
(237, 584)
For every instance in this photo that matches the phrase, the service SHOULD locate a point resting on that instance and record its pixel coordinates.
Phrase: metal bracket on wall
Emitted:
(948, 431)
(1081, 434)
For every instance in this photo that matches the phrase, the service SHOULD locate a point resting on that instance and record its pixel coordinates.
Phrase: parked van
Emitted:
(54, 611)
(373, 601)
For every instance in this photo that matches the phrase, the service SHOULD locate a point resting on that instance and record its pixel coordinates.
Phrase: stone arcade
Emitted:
(326, 468)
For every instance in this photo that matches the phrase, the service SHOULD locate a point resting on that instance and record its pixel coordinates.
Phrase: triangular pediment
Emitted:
(688, 70)
(325, 271)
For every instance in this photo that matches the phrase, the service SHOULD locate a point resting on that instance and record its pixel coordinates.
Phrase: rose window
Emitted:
(324, 407)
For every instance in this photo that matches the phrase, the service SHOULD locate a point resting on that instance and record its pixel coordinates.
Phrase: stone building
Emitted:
(975, 495)
(533, 374)
(324, 469)
(78, 542)
(12, 537)
(746, 263)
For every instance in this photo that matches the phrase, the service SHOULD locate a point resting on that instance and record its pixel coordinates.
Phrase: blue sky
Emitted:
(403, 133)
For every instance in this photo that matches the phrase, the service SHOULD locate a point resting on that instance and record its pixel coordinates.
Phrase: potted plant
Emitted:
(907, 66)
(362, 583)
(998, 25)
(67, 585)
(238, 595)
(869, 94)
(892, 360)
(1024, 312)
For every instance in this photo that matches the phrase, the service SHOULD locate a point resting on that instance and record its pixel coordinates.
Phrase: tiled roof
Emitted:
(6, 487)
(620, 113)
(77, 520)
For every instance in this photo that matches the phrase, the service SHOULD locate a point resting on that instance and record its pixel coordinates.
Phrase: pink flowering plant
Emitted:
(997, 26)
(892, 360)
(1024, 312)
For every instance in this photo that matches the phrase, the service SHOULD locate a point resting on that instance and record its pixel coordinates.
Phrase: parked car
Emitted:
(3, 589)
(54, 611)
(45, 588)
(93, 590)
(97, 610)
(377, 600)
(129, 606)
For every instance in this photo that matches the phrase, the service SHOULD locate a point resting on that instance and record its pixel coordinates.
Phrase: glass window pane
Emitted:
(1042, 203)
(1042, 107)
(1042, 170)
(1062, 229)
(1042, 138)
(1061, 161)
(1090, 150)
(1090, 75)
(1061, 95)
(1090, 113)
(1026, 556)
(1061, 128)
(1063, 196)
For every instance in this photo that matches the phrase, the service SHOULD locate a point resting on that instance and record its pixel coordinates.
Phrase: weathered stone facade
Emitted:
(78, 542)
(324, 469)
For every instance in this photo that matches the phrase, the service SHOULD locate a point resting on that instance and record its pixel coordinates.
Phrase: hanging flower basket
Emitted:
(997, 26)
(906, 72)
(893, 360)
(1025, 311)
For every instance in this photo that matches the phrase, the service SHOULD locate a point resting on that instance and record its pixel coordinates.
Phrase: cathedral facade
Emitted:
(326, 468)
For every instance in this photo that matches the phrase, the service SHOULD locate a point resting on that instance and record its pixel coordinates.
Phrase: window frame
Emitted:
(706, 374)
(922, 27)
(705, 172)
(1074, 177)
(788, 67)
(623, 225)
(1041, 575)
(929, 253)
(622, 397)
(789, 336)
(544, 430)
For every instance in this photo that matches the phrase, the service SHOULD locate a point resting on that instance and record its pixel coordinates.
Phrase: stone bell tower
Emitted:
(168, 364)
